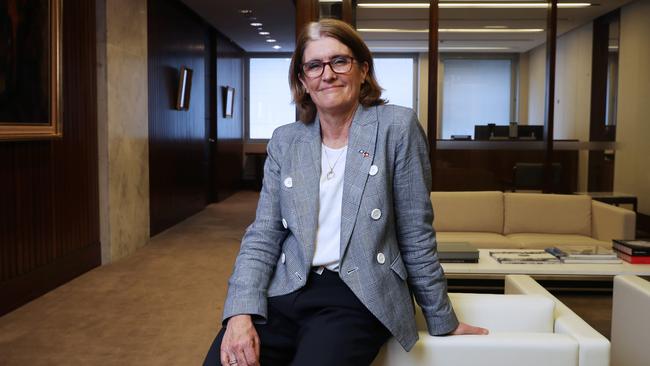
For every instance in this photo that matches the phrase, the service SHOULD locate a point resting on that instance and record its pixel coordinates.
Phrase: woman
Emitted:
(343, 231)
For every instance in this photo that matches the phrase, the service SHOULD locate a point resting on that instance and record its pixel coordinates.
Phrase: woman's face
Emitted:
(332, 92)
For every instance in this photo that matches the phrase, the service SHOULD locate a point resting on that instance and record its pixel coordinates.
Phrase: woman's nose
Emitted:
(328, 72)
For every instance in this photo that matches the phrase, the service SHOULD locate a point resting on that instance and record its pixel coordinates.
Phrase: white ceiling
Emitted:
(278, 18)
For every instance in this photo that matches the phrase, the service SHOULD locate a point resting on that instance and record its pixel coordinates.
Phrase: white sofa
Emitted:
(528, 220)
(528, 326)
(630, 321)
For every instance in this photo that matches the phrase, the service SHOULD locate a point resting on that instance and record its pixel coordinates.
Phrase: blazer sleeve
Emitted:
(260, 247)
(415, 234)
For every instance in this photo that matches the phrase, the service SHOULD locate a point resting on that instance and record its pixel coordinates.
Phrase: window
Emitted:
(395, 75)
(269, 103)
(475, 92)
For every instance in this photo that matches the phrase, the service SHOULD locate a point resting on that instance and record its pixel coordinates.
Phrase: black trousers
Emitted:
(323, 323)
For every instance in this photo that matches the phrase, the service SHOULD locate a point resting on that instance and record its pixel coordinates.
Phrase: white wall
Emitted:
(572, 90)
(632, 168)
(536, 85)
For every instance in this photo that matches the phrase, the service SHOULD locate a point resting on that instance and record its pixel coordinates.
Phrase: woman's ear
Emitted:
(364, 71)
(304, 83)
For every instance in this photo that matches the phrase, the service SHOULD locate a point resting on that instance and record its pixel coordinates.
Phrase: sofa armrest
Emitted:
(610, 222)
(502, 349)
(594, 347)
(630, 323)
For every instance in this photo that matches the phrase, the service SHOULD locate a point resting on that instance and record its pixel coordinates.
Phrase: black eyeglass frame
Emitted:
(323, 64)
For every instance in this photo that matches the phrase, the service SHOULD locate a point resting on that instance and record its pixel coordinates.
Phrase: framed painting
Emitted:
(30, 69)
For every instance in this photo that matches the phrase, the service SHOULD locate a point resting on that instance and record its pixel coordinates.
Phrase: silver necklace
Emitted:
(330, 173)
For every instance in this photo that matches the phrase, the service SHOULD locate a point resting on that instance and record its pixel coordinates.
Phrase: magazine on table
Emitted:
(574, 253)
(524, 257)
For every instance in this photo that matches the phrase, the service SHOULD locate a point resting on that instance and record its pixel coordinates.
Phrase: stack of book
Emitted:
(457, 253)
(633, 251)
(584, 254)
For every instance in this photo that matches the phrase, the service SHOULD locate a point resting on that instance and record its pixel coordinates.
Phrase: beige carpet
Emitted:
(160, 306)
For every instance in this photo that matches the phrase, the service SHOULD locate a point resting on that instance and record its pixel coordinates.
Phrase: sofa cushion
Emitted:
(477, 239)
(468, 211)
(547, 213)
(542, 241)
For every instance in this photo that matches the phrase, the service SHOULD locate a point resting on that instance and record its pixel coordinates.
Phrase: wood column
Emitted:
(551, 40)
(306, 11)
(432, 99)
(349, 12)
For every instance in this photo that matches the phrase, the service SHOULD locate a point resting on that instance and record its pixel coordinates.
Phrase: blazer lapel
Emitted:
(361, 150)
(307, 172)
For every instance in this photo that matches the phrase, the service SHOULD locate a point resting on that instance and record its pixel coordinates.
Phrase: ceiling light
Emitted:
(264, 33)
(256, 24)
(452, 30)
(270, 40)
(392, 30)
(277, 47)
(245, 11)
(480, 5)
(490, 30)
(470, 48)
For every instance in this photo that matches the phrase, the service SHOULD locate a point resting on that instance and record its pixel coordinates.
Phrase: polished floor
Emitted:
(162, 305)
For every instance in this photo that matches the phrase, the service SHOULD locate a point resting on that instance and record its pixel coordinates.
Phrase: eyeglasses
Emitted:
(338, 64)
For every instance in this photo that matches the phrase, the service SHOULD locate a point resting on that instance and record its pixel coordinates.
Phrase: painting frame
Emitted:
(52, 128)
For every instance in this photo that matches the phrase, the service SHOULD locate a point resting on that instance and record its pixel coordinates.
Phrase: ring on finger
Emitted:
(232, 362)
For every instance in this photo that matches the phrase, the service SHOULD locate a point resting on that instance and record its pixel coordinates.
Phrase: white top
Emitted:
(328, 233)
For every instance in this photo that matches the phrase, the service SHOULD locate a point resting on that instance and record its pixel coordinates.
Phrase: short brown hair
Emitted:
(370, 90)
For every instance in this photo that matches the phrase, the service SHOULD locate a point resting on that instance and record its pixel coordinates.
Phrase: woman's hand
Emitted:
(241, 344)
(469, 329)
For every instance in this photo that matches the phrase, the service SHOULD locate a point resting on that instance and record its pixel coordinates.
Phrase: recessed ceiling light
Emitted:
(480, 5)
(270, 40)
(245, 11)
(256, 24)
(264, 33)
(277, 47)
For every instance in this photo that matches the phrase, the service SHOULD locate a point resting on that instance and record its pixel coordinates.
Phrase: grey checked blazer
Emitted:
(383, 254)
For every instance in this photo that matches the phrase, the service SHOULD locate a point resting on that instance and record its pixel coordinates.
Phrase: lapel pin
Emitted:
(364, 153)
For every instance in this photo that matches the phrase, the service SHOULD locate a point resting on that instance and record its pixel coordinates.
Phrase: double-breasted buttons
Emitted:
(373, 170)
(381, 258)
(375, 214)
(284, 223)
(283, 258)
(288, 182)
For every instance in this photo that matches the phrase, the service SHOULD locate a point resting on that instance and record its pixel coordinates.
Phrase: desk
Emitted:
(488, 273)
(613, 198)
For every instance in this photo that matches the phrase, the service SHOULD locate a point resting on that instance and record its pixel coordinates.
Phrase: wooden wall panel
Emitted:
(227, 167)
(49, 215)
(178, 150)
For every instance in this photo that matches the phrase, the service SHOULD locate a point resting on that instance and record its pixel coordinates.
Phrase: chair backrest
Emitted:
(502, 313)
(630, 321)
